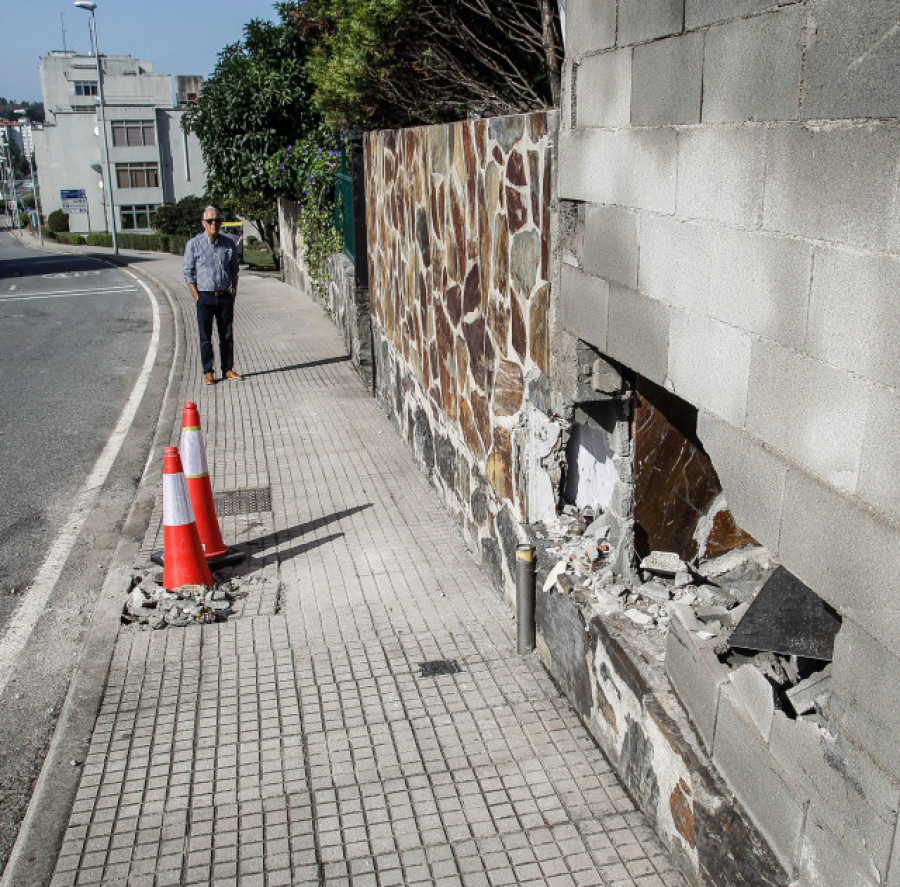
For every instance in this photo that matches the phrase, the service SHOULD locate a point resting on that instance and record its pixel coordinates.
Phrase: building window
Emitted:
(137, 175)
(85, 87)
(131, 133)
(137, 216)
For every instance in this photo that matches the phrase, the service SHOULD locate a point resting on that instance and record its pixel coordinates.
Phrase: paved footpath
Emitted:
(298, 742)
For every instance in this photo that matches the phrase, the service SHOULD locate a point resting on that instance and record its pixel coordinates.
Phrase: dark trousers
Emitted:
(220, 308)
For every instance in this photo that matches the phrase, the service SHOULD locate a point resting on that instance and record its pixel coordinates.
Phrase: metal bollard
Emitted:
(525, 598)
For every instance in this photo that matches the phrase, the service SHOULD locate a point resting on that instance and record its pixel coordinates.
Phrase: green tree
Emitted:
(380, 63)
(182, 218)
(257, 100)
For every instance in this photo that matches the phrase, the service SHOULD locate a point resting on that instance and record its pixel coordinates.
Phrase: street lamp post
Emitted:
(37, 202)
(90, 6)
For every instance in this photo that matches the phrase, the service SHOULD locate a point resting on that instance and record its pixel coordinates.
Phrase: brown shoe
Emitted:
(208, 378)
(232, 376)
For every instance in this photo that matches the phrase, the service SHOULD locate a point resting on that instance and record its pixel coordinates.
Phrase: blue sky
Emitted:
(177, 36)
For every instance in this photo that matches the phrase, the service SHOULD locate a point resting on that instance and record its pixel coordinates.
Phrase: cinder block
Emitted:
(667, 81)
(603, 93)
(640, 21)
(629, 167)
(847, 556)
(825, 860)
(752, 68)
(756, 695)
(674, 261)
(694, 671)
(879, 470)
(756, 282)
(848, 793)
(584, 302)
(832, 184)
(804, 409)
(611, 244)
(853, 66)
(638, 333)
(751, 476)
(862, 333)
(760, 283)
(866, 690)
(775, 803)
(709, 365)
(699, 13)
(721, 174)
(590, 25)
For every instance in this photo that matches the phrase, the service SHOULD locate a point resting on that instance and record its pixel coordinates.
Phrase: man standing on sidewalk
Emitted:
(211, 271)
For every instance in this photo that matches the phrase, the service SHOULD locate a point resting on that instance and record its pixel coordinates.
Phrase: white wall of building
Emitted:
(69, 150)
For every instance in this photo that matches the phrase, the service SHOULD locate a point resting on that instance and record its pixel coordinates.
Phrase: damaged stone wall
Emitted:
(458, 220)
(728, 185)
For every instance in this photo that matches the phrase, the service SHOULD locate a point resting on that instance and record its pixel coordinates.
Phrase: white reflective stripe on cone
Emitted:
(193, 453)
(177, 509)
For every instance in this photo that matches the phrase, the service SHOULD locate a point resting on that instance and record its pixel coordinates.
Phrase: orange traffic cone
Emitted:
(196, 472)
(183, 561)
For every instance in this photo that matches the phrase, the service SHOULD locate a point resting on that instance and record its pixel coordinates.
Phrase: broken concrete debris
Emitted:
(578, 553)
(152, 605)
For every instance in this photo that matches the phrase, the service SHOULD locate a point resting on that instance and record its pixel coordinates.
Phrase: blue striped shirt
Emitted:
(211, 265)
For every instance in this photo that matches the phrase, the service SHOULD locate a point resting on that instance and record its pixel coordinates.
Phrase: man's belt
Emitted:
(221, 292)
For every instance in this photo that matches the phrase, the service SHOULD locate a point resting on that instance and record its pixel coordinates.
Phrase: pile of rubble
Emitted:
(149, 603)
(719, 589)
(716, 592)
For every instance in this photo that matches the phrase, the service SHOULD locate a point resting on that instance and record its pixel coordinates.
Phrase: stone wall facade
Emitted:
(458, 221)
(728, 173)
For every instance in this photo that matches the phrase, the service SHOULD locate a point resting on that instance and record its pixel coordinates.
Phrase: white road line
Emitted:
(35, 599)
(61, 294)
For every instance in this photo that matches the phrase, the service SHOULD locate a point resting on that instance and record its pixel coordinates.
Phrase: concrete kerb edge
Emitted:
(34, 854)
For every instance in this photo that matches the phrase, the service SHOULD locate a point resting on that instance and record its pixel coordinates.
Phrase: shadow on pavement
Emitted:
(299, 366)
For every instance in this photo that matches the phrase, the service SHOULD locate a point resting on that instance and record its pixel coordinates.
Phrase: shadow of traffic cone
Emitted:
(183, 560)
(196, 472)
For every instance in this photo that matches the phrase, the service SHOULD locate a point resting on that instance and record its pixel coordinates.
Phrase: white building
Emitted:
(152, 160)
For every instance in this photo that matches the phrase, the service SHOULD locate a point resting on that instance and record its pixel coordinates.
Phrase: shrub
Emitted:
(182, 218)
(70, 237)
(99, 239)
(305, 171)
(57, 221)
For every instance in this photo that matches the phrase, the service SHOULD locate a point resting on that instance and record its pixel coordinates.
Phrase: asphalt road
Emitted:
(75, 333)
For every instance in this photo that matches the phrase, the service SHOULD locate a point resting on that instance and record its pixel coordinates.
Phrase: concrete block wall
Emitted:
(734, 166)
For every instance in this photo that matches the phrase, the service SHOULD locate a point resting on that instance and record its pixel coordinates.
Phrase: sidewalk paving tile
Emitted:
(299, 742)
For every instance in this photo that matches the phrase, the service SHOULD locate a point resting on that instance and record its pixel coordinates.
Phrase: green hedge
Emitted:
(70, 237)
(161, 243)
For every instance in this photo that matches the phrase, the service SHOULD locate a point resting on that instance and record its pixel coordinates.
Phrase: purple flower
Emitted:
(281, 166)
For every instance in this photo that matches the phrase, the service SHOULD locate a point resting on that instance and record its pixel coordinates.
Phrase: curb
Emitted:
(33, 857)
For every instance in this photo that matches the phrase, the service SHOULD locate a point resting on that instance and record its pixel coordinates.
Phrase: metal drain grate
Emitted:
(243, 501)
(436, 667)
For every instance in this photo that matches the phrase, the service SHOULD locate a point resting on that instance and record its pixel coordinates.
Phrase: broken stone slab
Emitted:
(732, 560)
(638, 617)
(803, 697)
(655, 591)
(176, 618)
(663, 563)
(712, 613)
(684, 578)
